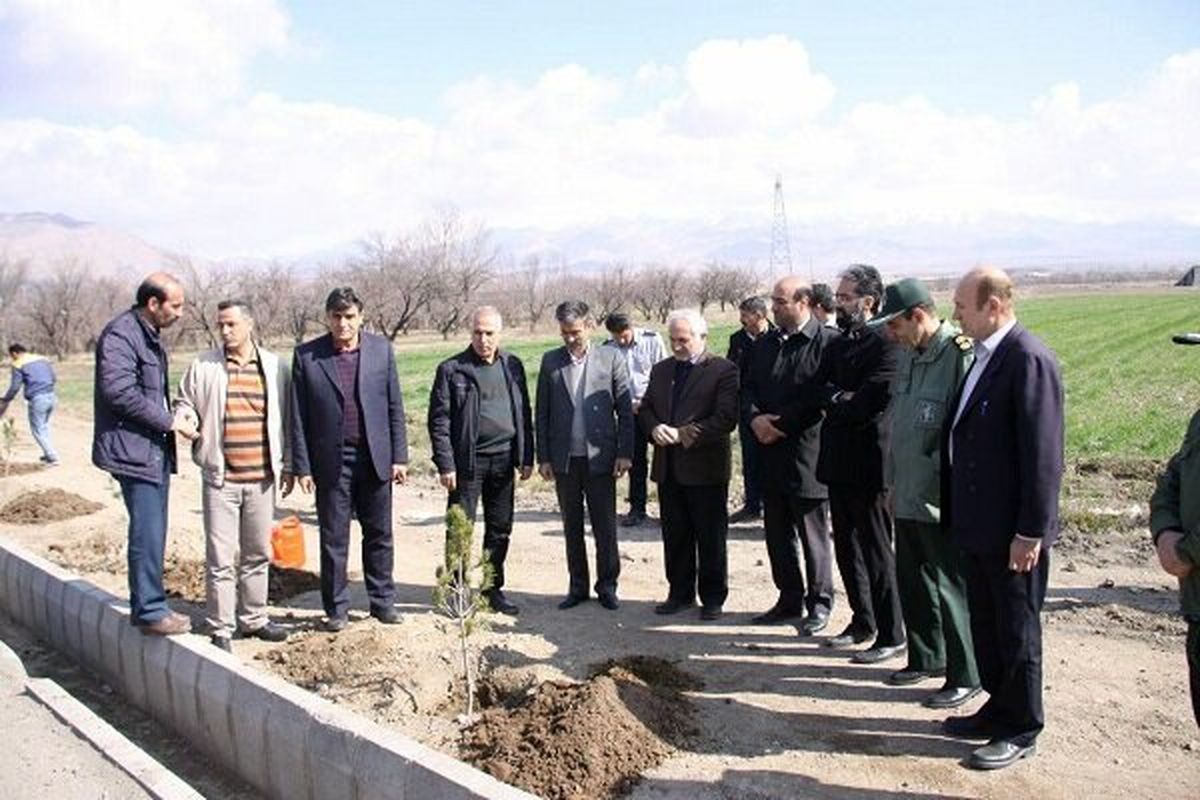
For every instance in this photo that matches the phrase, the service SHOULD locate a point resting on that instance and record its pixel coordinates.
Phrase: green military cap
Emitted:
(901, 296)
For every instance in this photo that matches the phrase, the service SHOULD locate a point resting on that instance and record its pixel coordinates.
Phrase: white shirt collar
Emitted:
(990, 344)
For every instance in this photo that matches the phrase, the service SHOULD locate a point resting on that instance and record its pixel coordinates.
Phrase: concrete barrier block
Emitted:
(248, 712)
(91, 612)
(382, 773)
(287, 729)
(110, 627)
(56, 623)
(131, 645)
(23, 609)
(156, 676)
(331, 754)
(214, 693)
(5, 558)
(72, 612)
(183, 666)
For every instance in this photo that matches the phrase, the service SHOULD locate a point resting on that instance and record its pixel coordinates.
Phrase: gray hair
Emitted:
(572, 311)
(242, 305)
(487, 311)
(692, 317)
(754, 304)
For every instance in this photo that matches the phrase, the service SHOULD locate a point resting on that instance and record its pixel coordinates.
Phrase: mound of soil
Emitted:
(285, 583)
(184, 578)
(586, 740)
(96, 553)
(47, 505)
(19, 468)
(366, 666)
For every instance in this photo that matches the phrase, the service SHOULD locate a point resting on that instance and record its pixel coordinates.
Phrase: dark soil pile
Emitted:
(18, 468)
(285, 583)
(587, 740)
(184, 578)
(47, 505)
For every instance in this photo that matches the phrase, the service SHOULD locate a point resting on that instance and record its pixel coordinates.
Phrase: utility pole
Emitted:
(781, 248)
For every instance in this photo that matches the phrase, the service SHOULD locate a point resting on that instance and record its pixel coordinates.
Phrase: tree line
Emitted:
(424, 279)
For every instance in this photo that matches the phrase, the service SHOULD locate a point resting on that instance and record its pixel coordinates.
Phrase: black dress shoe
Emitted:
(851, 635)
(999, 754)
(813, 624)
(873, 655)
(387, 615)
(268, 633)
(672, 606)
(951, 697)
(609, 601)
(909, 676)
(633, 519)
(221, 643)
(501, 604)
(710, 612)
(776, 613)
(973, 726)
(571, 600)
(334, 624)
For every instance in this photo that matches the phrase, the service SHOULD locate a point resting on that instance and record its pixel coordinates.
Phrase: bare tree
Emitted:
(536, 282)
(204, 285)
(613, 289)
(738, 283)
(14, 276)
(397, 281)
(661, 289)
(460, 256)
(59, 306)
(709, 284)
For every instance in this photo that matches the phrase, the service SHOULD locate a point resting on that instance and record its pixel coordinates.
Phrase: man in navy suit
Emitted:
(1002, 467)
(349, 443)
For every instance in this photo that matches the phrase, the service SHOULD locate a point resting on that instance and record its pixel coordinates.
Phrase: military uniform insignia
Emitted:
(964, 342)
(929, 412)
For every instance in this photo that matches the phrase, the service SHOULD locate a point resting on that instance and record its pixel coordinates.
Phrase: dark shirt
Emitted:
(496, 426)
(682, 370)
(346, 364)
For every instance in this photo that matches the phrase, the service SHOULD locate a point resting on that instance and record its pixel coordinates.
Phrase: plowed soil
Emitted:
(47, 505)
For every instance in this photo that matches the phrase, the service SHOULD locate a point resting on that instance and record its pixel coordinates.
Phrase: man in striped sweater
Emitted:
(236, 397)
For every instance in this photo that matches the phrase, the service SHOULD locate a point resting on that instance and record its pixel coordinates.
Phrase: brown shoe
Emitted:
(169, 625)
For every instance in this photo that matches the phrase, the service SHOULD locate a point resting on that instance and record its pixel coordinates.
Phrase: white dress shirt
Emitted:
(983, 354)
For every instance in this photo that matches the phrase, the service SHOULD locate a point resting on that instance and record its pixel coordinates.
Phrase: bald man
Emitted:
(134, 439)
(1002, 467)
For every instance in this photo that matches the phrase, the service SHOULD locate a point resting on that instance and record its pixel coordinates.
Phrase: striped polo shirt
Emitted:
(247, 454)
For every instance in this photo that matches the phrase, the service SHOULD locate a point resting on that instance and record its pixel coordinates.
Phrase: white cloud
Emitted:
(265, 175)
(186, 54)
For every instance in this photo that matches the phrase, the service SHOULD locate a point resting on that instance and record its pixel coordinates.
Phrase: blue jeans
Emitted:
(40, 408)
(146, 503)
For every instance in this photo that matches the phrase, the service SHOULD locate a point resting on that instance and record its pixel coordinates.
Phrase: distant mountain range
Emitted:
(818, 250)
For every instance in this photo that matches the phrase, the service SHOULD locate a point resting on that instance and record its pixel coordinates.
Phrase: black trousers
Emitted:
(792, 524)
(751, 468)
(695, 523)
(1193, 659)
(862, 540)
(493, 482)
(638, 471)
(1006, 625)
(357, 488)
(600, 491)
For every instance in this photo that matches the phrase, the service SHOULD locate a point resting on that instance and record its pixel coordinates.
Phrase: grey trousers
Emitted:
(237, 533)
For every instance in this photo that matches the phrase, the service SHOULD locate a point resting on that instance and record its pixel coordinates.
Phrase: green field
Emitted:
(1129, 391)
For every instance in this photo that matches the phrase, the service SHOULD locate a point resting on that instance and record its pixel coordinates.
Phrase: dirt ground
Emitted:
(758, 712)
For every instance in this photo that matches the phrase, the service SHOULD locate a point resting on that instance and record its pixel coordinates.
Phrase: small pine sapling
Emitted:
(461, 591)
(8, 439)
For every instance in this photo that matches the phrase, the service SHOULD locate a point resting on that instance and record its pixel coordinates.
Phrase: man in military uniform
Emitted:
(1175, 521)
(642, 349)
(932, 592)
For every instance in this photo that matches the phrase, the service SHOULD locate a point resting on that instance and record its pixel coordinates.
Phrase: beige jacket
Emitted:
(202, 391)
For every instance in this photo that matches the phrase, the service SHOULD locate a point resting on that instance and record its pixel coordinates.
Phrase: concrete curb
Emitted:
(286, 742)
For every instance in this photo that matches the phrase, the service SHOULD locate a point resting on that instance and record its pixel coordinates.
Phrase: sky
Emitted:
(263, 128)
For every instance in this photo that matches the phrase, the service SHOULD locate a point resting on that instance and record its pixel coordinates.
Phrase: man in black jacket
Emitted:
(781, 364)
(481, 429)
(852, 387)
(753, 315)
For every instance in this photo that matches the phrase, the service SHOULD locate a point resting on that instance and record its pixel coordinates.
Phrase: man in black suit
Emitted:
(854, 389)
(781, 365)
(1001, 470)
(752, 312)
(349, 443)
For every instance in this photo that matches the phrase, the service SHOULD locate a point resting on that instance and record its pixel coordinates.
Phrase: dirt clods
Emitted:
(47, 505)
(587, 740)
(285, 583)
(19, 468)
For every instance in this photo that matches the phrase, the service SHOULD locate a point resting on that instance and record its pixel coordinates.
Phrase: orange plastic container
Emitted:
(287, 543)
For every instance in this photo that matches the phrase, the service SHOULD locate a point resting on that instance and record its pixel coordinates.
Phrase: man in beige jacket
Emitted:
(236, 397)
